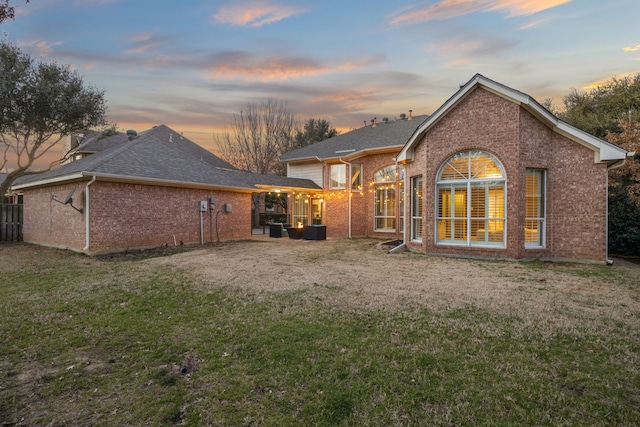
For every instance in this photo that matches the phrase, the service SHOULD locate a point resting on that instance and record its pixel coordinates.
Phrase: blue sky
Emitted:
(192, 64)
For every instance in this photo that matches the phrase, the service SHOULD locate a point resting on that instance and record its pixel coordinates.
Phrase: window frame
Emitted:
(417, 208)
(389, 179)
(385, 216)
(455, 218)
(356, 180)
(541, 208)
(341, 171)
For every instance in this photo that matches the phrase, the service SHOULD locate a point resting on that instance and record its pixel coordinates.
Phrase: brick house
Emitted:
(142, 191)
(490, 174)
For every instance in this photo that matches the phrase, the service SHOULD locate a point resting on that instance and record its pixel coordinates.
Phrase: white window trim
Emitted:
(468, 243)
(388, 186)
(414, 217)
(543, 220)
(343, 166)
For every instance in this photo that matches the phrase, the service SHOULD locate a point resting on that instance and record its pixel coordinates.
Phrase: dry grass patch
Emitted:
(336, 332)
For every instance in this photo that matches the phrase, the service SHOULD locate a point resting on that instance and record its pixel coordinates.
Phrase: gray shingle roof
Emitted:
(161, 154)
(385, 135)
(94, 142)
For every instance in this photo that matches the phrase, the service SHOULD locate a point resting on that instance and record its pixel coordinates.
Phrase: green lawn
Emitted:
(125, 342)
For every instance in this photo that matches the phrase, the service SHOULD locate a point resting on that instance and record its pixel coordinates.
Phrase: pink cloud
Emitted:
(255, 14)
(245, 66)
(143, 42)
(41, 47)
(448, 9)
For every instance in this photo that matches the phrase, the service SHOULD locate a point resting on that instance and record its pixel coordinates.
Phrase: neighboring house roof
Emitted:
(93, 142)
(604, 150)
(158, 156)
(365, 140)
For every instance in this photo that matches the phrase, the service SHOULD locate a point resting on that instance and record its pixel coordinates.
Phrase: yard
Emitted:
(290, 332)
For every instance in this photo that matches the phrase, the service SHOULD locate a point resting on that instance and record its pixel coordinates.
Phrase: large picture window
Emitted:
(534, 227)
(471, 200)
(416, 208)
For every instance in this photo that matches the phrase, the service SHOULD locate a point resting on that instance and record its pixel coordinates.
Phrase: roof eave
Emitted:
(49, 181)
(301, 159)
(132, 180)
(285, 188)
(167, 182)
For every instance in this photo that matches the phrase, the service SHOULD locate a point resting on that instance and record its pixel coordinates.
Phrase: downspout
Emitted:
(403, 245)
(86, 215)
(405, 188)
(614, 165)
(350, 193)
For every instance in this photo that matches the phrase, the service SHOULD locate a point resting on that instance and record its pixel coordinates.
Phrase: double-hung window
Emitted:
(338, 176)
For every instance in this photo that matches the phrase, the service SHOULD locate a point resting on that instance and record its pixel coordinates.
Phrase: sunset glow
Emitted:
(193, 65)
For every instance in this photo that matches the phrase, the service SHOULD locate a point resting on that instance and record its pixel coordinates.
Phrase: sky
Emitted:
(193, 64)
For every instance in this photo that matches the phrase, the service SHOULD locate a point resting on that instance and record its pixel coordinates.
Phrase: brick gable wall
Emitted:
(576, 187)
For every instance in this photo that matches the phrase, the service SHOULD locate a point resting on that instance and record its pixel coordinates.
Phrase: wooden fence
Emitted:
(10, 223)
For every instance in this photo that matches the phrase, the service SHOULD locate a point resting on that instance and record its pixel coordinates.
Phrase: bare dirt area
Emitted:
(353, 274)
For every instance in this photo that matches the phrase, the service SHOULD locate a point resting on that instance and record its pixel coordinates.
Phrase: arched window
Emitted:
(471, 200)
(389, 210)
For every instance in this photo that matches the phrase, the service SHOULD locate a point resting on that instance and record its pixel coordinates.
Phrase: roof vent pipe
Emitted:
(375, 122)
(410, 115)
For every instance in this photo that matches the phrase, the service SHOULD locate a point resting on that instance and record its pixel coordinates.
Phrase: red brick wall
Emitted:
(576, 186)
(127, 216)
(362, 203)
(49, 223)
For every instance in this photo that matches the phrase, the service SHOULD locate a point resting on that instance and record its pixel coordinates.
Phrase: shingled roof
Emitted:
(390, 135)
(161, 156)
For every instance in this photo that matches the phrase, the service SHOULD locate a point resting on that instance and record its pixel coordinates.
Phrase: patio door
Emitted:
(316, 210)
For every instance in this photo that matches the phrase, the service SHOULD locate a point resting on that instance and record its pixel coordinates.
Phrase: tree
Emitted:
(257, 136)
(601, 110)
(624, 193)
(314, 130)
(40, 104)
(6, 11)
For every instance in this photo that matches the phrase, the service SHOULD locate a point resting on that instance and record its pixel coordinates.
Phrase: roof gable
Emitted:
(604, 151)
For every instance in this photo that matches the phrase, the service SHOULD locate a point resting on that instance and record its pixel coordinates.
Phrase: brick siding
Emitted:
(576, 186)
(362, 203)
(128, 216)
